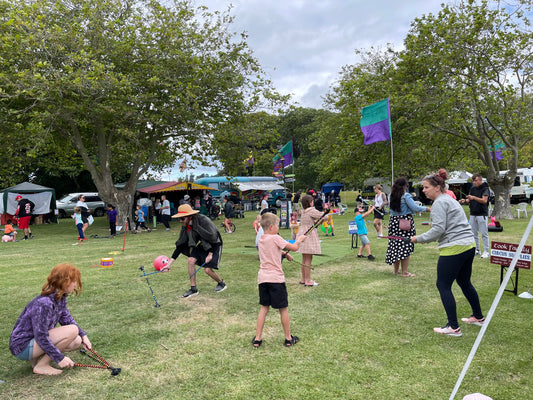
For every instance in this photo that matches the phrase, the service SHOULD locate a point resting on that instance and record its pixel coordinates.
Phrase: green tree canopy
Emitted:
(131, 83)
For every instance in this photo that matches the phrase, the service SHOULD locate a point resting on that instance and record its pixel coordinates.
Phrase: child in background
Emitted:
(79, 223)
(10, 234)
(294, 224)
(139, 220)
(329, 224)
(362, 232)
(257, 223)
(271, 280)
(112, 218)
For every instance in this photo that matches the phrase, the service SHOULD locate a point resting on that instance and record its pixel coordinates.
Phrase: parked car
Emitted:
(275, 197)
(66, 204)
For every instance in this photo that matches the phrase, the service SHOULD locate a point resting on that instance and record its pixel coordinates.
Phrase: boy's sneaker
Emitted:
(191, 292)
(31, 236)
(371, 257)
(474, 321)
(485, 255)
(360, 256)
(447, 330)
(220, 287)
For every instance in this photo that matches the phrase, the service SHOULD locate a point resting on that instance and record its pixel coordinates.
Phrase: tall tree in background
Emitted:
(469, 70)
(123, 82)
(253, 134)
(371, 80)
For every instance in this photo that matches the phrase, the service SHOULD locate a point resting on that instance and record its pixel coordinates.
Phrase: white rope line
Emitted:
(492, 308)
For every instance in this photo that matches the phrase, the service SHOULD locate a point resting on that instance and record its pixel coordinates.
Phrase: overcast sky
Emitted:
(303, 44)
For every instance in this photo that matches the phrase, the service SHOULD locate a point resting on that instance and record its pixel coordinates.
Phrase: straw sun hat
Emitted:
(184, 211)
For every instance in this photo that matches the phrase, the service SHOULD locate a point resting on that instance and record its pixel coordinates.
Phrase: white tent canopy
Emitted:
(244, 186)
(458, 177)
(41, 196)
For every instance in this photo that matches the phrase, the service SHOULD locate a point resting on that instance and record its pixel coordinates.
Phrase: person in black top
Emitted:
(24, 210)
(478, 199)
(201, 242)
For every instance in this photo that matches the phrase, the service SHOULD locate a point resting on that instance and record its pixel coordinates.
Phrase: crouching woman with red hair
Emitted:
(36, 338)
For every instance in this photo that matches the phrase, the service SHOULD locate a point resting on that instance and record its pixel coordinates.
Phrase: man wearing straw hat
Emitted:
(201, 242)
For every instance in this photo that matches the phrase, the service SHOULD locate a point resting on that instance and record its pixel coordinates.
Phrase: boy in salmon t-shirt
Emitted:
(271, 280)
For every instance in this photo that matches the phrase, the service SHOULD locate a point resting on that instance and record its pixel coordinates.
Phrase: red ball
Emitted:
(160, 262)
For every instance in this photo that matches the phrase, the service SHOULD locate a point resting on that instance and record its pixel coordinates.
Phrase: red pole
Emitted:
(125, 231)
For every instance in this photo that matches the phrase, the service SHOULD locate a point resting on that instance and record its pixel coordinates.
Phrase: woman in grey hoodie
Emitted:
(450, 228)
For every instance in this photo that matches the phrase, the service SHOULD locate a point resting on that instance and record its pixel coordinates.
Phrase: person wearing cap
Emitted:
(24, 210)
(201, 242)
(186, 200)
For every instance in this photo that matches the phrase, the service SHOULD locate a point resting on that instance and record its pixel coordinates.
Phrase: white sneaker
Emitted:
(485, 255)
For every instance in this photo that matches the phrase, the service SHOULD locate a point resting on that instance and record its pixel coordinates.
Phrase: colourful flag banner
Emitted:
(375, 122)
(497, 152)
(250, 160)
(285, 155)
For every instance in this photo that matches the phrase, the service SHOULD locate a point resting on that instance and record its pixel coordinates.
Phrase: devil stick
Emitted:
(98, 358)
(369, 204)
(309, 230)
(150, 286)
(405, 239)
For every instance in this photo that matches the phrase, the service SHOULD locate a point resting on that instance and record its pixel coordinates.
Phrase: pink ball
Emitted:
(160, 262)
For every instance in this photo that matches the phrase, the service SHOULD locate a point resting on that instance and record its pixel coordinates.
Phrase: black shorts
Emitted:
(379, 214)
(200, 254)
(273, 295)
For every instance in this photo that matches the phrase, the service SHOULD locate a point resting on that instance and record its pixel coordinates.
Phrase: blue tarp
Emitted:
(335, 186)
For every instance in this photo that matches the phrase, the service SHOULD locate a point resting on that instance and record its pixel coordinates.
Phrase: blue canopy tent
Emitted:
(335, 186)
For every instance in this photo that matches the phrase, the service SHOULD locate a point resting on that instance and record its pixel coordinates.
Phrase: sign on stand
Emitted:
(352, 229)
(503, 253)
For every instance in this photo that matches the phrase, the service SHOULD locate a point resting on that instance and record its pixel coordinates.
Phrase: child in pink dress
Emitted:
(309, 216)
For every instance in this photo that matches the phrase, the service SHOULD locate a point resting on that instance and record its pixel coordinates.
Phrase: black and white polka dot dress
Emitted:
(397, 249)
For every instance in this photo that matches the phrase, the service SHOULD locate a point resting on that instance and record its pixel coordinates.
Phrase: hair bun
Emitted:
(443, 174)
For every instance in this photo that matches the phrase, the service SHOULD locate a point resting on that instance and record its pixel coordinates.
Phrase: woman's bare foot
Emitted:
(46, 370)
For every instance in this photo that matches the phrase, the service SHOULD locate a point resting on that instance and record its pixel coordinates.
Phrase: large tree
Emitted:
(372, 79)
(134, 83)
(469, 71)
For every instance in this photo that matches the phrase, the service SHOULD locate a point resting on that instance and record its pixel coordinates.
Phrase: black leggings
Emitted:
(457, 268)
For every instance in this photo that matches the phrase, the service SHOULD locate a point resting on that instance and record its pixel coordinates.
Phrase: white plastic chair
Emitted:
(521, 208)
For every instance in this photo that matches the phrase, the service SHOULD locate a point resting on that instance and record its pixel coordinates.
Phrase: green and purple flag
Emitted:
(375, 122)
(284, 157)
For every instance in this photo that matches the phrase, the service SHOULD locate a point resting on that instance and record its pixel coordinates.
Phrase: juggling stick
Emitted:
(368, 204)
(150, 286)
(317, 222)
(197, 269)
(151, 273)
(405, 239)
(105, 364)
(302, 264)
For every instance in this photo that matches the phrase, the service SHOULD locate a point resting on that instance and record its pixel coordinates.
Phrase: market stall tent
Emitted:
(43, 197)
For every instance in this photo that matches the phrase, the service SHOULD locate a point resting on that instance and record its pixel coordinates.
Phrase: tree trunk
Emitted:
(122, 200)
(502, 201)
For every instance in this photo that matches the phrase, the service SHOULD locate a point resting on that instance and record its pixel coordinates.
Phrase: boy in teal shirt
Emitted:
(362, 232)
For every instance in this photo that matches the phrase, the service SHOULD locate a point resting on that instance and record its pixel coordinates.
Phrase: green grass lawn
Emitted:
(365, 334)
